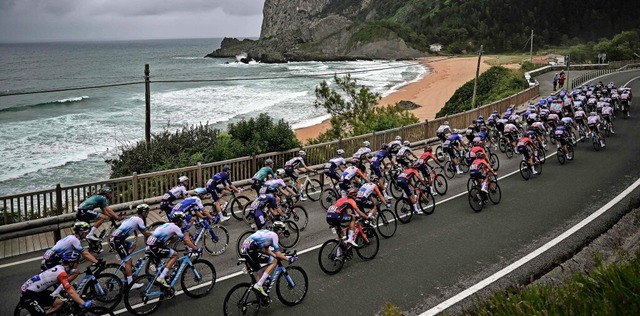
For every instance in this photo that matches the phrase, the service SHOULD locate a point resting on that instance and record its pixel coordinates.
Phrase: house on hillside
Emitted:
(435, 47)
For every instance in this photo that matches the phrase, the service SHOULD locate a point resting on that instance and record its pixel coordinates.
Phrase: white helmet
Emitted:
(340, 152)
(280, 172)
(406, 143)
(302, 153)
(183, 179)
(398, 138)
(446, 122)
(366, 143)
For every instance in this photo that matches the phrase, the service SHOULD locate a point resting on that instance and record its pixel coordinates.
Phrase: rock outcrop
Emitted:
(322, 30)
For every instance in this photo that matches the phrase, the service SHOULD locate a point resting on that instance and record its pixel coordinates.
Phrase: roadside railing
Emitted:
(53, 209)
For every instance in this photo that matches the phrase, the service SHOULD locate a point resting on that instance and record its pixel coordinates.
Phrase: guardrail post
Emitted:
(425, 129)
(135, 186)
(199, 175)
(56, 233)
(253, 167)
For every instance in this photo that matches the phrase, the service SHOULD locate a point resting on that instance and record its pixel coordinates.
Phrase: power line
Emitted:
(202, 80)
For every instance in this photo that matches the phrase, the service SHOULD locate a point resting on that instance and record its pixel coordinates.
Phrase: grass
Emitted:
(498, 60)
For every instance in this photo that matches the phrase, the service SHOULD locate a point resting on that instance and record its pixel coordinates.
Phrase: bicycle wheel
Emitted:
(96, 310)
(236, 207)
(537, 165)
(117, 269)
(561, 157)
(292, 285)
(439, 154)
(106, 290)
(525, 172)
(395, 190)
(464, 165)
(300, 216)
(198, 279)
(368, 249)
(241, 239)
(247, 216)
(146, 299)
(595, 142)
(404, 210)
(449, 170)
(472, 182)
(241, 300)
(331, 257)
(542, 155)
(509, 151)
(440, 183)
(216, 247)
(570, 153)
(313, 189)
(386, 223)
(475, 199)
(495, 194)
(329, 196)
(290, 236)
(494, 162)
(426, 202)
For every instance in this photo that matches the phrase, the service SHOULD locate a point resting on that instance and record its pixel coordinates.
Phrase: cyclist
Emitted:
(256, 250)
(93, 208)
(525, 146)
(607, 113)
(35, 294)
(625, 100)
(345, 209)
(580, 117)
(538, 132)
(277, 186)
(405, 155)
(510, 133)
(478, 170)
(469, 133)
(53, 256)
(443, 130)
(213, 188)
(376, 164)
(158, 244)
(363, 154)
(352, 173)
(258, 206)
(570, 126)
(395, 145)
(594, 121)
(192, 207)
(562, 135)
(422, 166)
(177, 192)
(364, 197)
(478, 145)
(407, 180)
(119, 239)
(334, 164)
(479, 122)
(290, 169)
(262, 174)
(452, 146)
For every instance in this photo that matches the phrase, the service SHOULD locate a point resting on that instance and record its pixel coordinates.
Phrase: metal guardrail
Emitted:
(53, 209)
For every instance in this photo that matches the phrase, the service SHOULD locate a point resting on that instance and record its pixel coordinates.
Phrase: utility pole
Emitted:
(147, 101)
(475, 82)
(531, 51)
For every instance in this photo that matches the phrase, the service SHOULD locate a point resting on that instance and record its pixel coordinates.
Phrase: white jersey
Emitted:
(394, 145)
(349, 173)
(163, 233)
(567, 120)
(403, 152)
(580, 114)
(592, 120)
(538, 125)
(294, 162)
(361, 152)
(335, 163)
(128, 226)
(508, 128)
(265, 238)
(63, 245)
(45, 279)
(607, 110)
(443, 128)
(177, 192)
(366, 190)
(554, 117)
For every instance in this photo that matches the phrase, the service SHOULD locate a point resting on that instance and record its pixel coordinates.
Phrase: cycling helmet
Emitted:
(384, 146)
(302, 153)
(142, 208)
(561, 122)
(81, 227)
(406, 143)
(183, 179)
(428, 149)
(178, 217)
(480, 154)
(352, 193)
(398, 138)
(71, 256)
(366, 143)
(105, 190)
(494, 112)
(280, 172)
(478, 142)
(268, 161)
(200, 191)
(446, 122)
(340, 152)
(374, 178)
(226, 168)
(278, 226)
(481, 117)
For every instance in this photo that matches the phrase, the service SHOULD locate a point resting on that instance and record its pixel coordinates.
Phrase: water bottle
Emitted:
(138, 262)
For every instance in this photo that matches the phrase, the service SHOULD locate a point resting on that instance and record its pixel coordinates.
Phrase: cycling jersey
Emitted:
(510, 127)
(607, 110)
(188, 206)
(568, 121)
(479, 168)
(403, 152)
(294, 162)
(262, 239)
(379, 157)
(94, 202)
(263, 173)
(349, 173)
(128, 226)
(53, 256)
(258, 208)
(272, 186)
(175, 193)
(394, 146)
(361, 153)
(163, 234)
(334, 163)
(443, 129)
(220, 178)
(366, 190)
(45, 279)
(339, 211)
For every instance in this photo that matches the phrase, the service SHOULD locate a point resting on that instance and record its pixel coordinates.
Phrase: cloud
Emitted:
(163, 7)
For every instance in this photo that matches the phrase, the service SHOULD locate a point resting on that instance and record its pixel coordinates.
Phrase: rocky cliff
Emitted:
(301, 30)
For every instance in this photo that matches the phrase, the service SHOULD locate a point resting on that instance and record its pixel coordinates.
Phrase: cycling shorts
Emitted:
(332, 173)
(166, 207)
(87, 215)
(121, 246)
(364, 203)
(524, 151)
(404, 185)
(477, 174)
(291, 173)
(335, 219)
(37, 303)
(376, 170)
(451, 152)
(256, 185)
(157, 252)
(254, 256)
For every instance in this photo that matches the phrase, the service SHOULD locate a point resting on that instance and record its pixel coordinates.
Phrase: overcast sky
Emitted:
(58, 20)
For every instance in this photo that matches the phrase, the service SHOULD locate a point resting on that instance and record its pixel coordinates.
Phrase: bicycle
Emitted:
(478, 198)
(506, 146)
(294, 212)
(562, 158)
(404, 209)
(526, 170)
(143, 263)
(334, 252)
(595, 140)
(312, 187)
(234, 207)
(147, 298)
(96, 246)
(214, 237)
(330, 195)
(289, 238)
(69, 307)
(291, 284)
(439, 181)
(104, 288)
(386, 221)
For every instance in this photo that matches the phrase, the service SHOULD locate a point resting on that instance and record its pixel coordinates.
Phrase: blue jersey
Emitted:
(128, 226)
(221, 178)
(63, 245)
(454, 139)
(264, 200)
(163, 233)
(188, 206)
(265, 238)
(379, 157)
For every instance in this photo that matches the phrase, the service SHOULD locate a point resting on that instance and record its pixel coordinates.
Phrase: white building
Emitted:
(435, 47)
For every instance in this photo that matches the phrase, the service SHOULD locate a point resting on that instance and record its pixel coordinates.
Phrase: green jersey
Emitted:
(94, 202)
(263, 173)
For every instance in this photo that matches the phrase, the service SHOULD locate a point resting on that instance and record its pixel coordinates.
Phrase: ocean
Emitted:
(64, 137)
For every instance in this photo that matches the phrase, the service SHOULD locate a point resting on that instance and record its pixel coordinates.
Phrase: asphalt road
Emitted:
(435, 256)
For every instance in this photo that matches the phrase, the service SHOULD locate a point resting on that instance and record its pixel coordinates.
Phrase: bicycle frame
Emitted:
(135, 271)
(359, 232)
(184, 262)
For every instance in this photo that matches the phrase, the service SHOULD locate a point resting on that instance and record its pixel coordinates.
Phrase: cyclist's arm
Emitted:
(110, 212)
(379, 194)
(63, 279)
(85, 254)
(187, 240)
(354, 206)
(361, 175)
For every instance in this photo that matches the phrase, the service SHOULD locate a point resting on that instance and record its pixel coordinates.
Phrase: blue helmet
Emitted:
(70, 256)
(200, 191)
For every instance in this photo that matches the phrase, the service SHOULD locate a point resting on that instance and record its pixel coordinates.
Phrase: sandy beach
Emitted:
(431, 92)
